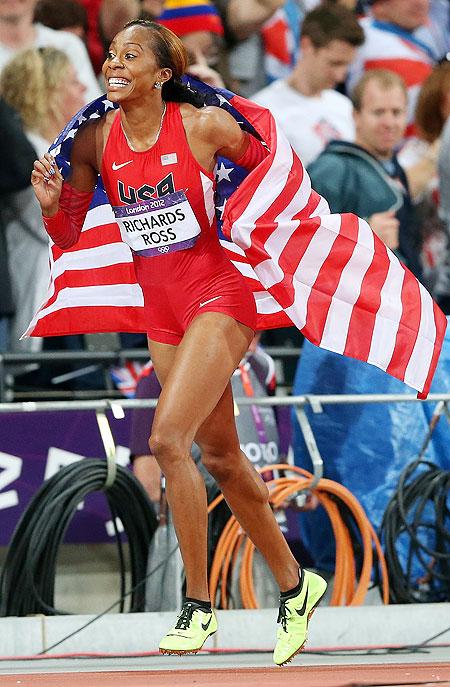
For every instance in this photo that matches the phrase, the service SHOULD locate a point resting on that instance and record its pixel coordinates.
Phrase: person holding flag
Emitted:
(156, 147)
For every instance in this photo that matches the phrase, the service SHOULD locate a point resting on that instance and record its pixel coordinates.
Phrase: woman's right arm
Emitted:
(64, 204)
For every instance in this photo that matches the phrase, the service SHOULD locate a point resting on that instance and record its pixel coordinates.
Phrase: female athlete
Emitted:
(156, 154)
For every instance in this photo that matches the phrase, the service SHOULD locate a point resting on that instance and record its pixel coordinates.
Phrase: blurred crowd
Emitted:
(360, 88)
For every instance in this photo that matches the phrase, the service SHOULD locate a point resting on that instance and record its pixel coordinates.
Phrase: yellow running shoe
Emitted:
(192, 629)
(294, 615)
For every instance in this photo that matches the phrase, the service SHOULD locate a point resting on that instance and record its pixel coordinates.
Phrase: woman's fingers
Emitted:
(46, 168)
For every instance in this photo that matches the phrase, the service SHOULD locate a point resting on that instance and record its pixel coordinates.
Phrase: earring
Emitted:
(158, 84)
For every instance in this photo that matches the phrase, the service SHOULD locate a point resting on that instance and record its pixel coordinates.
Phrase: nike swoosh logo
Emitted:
(205, 626)
(116, 167)
(302, 610)
(210, 301)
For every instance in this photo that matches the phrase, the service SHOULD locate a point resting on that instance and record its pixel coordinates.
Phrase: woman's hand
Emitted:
(47, 182)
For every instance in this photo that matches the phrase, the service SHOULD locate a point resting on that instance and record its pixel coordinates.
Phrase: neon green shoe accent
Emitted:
(190, 632)
(294, 615)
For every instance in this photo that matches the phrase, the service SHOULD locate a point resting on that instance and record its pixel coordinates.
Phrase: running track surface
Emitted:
(407, 675)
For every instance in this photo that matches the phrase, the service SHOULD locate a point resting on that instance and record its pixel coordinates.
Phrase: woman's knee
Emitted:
(167, 447)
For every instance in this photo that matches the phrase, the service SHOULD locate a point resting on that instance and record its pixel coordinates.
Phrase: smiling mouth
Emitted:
(115, 82)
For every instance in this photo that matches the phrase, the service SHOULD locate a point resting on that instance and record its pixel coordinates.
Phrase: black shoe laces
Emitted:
(282, 614)
(185, 617)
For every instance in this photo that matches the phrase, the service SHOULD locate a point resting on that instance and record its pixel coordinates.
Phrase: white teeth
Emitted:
(117, 82)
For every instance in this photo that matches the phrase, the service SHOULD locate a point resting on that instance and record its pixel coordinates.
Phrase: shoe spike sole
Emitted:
(167, 652)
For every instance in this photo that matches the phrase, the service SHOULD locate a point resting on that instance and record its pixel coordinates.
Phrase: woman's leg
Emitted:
(244, 490)
(193, 377)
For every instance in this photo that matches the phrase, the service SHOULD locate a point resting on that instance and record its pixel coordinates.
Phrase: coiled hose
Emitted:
(418, 517)
(347, 589)
(27, 582)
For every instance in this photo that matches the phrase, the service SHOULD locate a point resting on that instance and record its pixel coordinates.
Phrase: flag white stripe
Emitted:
(419, 363)
(115, 295)
(245, 269)
(297, 311)
(309, 267)
(275, 179)
(98, 216)
(208, 196)
(265, 303)
(105, 255)
(286, 225)
(232, 247)
(338, 319)
(388, 317)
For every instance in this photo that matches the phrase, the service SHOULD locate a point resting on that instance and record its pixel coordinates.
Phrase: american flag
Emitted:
(328, 274)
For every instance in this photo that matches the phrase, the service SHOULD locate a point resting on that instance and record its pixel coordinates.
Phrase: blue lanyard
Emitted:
(406, 35)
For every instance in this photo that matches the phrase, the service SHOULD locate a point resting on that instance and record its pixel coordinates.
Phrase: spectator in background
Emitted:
(151, 9)
(42, 85)
(67, 15)
(244, 57)
(391, 43)
(309, 111)
(199, 26)
(401, 36)
(19, 31)
(365, 177)
(103, 16)
(14, 176)
(433, 121)
(436, 32)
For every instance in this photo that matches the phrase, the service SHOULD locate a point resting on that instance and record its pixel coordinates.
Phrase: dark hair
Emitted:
(384, 77)
(170, 52)
(332, 22)
(61, 14)
(430, 117)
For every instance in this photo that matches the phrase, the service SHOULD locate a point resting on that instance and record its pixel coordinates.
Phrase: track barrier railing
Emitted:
(347, 589)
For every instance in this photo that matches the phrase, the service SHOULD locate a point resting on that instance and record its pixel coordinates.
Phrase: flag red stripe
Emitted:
(293, 252)
(92, 238)
(78, 320)
(441, 325)
(408, 326)
(329, 275)
(266, 222)
(363, 317)
(122, 273)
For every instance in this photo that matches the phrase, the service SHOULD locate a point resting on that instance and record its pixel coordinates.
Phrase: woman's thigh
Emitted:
(195, 374)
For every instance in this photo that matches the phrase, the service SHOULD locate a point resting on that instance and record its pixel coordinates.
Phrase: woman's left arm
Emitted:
(229, 140)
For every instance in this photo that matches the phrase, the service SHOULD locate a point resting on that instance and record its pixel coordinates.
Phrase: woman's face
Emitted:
(130, 69)
(72, 94)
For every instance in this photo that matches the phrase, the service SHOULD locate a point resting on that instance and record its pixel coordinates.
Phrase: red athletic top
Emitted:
(178, 278)
(168, 166)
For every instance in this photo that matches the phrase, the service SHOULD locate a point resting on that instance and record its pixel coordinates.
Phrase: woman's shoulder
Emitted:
(208, 120)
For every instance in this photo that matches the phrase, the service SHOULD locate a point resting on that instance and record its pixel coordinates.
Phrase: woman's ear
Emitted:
(165, 74)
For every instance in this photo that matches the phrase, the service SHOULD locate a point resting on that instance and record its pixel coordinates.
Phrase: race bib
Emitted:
(158, 226)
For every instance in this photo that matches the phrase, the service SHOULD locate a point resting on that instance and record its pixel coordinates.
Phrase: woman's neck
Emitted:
(142, 126)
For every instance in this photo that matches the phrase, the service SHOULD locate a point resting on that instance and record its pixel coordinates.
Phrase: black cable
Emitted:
(27, 582)
(417, 520)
